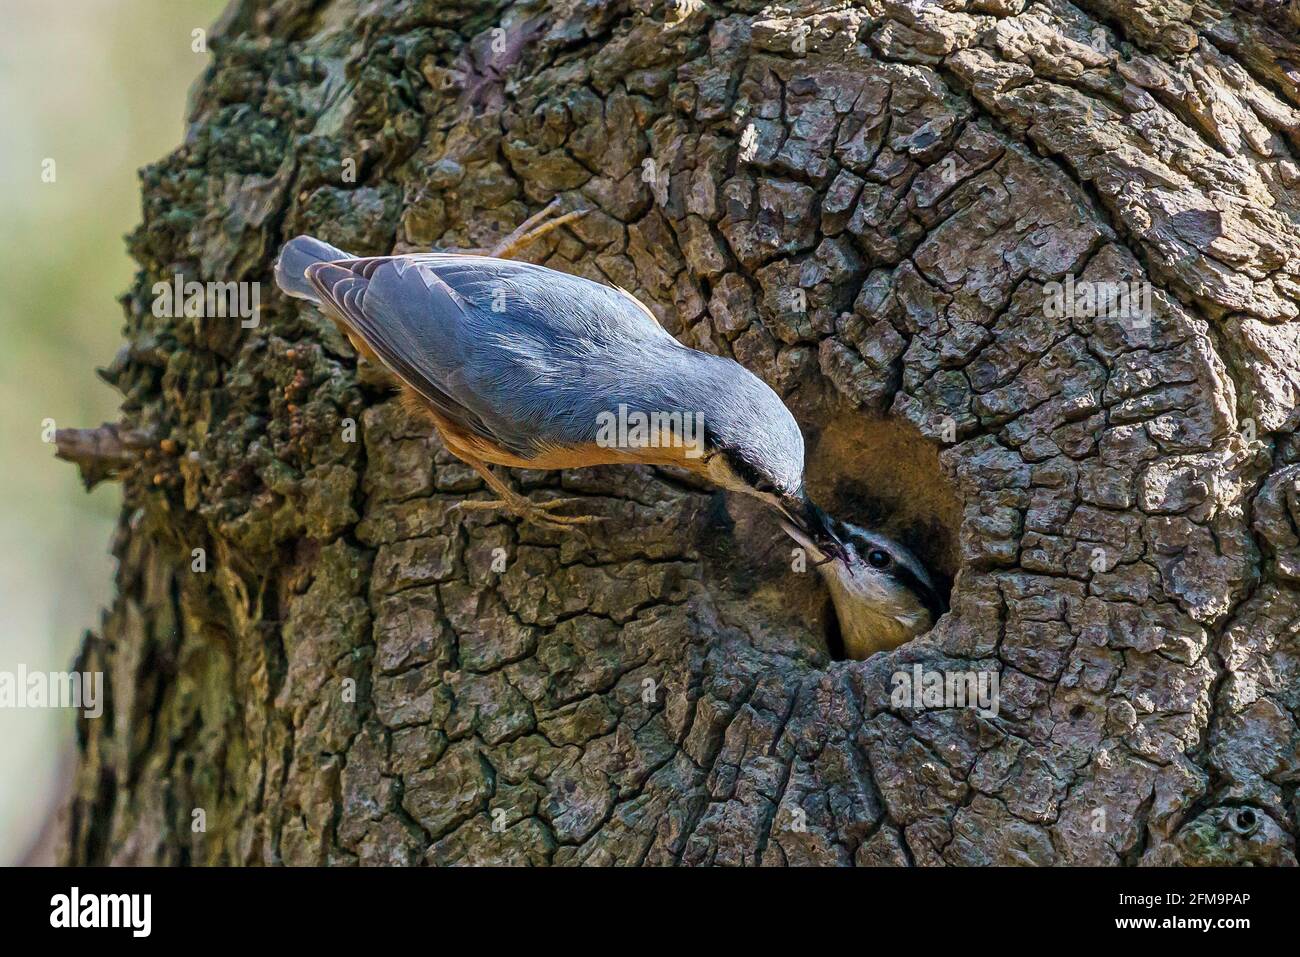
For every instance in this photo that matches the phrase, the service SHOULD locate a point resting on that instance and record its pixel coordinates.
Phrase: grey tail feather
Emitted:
(297, 254)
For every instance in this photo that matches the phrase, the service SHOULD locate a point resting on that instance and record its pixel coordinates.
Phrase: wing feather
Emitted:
(508, 351)
(344, 290)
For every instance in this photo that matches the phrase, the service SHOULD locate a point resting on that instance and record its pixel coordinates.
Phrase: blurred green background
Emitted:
(100, 87)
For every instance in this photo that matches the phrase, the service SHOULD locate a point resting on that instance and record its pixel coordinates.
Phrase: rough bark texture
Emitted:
(357, 677)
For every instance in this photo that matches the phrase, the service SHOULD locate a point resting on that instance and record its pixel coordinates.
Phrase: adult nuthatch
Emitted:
(883, 595)
(518, 365)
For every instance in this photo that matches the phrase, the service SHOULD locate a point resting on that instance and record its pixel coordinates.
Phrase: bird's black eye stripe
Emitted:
(861, 544)
(747, 472)
(924, 593)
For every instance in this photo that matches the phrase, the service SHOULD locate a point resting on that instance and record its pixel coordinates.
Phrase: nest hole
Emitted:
(883, 474)
(878, 473)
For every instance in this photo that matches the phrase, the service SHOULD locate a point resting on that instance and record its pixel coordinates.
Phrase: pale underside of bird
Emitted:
(518, 365)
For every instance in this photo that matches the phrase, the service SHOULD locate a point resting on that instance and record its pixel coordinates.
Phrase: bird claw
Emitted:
(533, 228)
(535, 512)
(563, 520)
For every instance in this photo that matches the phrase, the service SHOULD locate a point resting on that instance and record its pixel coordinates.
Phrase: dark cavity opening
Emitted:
(884, 475)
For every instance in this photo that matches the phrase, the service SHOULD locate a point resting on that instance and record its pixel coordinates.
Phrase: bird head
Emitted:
(883, 595)
(754, 446)
(779, 486)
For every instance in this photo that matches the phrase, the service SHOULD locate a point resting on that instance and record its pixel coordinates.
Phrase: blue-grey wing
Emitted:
(512, 352)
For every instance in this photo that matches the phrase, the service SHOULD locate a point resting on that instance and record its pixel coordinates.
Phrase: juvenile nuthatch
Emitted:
(517, 365)
(883, 595)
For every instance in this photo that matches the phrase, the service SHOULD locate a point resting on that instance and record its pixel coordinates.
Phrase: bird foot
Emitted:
(534, 228)
(536, 512)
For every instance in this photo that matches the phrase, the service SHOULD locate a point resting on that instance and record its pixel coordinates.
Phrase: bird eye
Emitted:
(879, 558)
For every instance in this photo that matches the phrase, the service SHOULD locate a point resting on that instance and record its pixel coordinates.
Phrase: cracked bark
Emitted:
(357, 677)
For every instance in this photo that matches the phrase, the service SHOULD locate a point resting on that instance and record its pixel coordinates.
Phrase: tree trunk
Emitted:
(313, 659)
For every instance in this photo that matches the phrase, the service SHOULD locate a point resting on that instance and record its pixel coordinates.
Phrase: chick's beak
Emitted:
(813, 525)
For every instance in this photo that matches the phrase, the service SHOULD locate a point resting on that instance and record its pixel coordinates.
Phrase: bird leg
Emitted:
(529, 231)
(525, 508)
(533, 228)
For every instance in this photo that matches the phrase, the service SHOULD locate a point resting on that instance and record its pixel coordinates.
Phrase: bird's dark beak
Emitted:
(814, 525)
